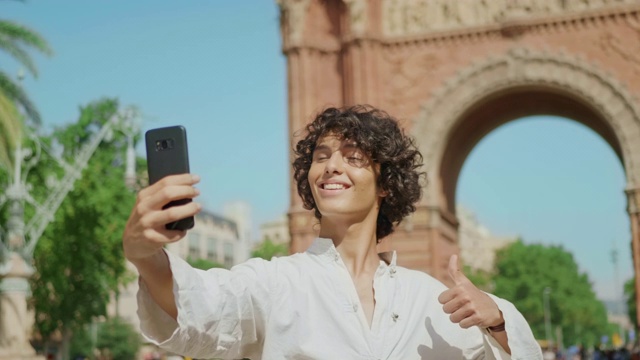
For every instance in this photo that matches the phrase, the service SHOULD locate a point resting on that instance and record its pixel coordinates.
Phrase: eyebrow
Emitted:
(323, 147)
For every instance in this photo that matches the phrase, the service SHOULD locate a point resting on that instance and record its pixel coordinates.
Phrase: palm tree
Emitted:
(10, 131)
(16, 39)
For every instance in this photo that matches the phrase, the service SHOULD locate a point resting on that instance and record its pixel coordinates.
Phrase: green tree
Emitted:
(480, 278)
(79, 257)
(11, 130)
(268, 249)
(17, 40)
(204, 264)
(524, 271)
(630, 293)
(81, 344)
(118, 340)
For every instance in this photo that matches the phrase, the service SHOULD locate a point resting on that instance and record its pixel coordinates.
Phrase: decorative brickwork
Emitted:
(453, 71)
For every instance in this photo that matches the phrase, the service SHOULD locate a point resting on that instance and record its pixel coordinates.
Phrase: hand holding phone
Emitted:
(167, 154)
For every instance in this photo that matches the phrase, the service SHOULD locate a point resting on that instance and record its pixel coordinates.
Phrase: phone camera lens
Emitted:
(165, 144)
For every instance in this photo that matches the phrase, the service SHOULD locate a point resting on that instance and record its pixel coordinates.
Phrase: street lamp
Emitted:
(21, 236)
(547, 315)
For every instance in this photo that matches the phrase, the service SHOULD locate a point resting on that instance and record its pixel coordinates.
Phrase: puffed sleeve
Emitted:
(221, 313)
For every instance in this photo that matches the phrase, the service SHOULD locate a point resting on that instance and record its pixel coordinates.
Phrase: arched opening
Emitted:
(553, 181)
(502, 107)
(494, 91)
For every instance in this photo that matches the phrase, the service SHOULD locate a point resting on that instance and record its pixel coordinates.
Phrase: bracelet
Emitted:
(497, 328)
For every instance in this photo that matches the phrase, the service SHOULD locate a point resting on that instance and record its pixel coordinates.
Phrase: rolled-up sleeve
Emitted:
(522, 343)
(221, 313)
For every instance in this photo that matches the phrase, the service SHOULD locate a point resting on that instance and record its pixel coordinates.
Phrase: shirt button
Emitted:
(355, 307)
(336, 257)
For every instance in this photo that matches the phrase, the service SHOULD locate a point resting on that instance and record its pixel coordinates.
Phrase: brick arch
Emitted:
(500, 89)
(504, 88)
(398, 55)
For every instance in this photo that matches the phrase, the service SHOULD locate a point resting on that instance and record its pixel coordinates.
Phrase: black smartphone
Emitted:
(167, 154)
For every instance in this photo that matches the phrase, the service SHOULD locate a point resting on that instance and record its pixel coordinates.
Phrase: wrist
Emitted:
(151, 263)
(497, 328)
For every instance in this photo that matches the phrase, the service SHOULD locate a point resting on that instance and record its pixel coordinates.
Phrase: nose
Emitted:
(334, 164)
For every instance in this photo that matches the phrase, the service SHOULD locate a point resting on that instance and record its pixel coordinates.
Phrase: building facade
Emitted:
(277, 230)
(478, 246)
(452, 72)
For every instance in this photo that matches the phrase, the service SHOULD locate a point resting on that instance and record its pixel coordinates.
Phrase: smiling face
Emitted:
(343, 180)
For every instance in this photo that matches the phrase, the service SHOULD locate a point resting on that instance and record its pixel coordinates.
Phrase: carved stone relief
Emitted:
(633, 201)
(294, 12)
(407, 71)
(517, 68)
(357, 16)
(412, 17)
(627, 49)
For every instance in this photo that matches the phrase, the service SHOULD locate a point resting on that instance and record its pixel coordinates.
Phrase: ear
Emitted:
(381, 192)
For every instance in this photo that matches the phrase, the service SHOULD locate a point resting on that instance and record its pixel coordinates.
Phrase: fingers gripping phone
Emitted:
(167, 155)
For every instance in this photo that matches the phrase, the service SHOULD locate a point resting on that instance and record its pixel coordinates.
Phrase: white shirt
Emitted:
(305, 306)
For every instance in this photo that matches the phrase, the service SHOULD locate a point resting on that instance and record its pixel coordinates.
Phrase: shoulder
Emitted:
(419, 287)
(419, 279)
(277, 266)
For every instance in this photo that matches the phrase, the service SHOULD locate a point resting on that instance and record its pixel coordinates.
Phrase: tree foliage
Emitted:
(268, 249)
(79, 257)
(630, 294)
(524, 271)
(81, 344)
(11, 131)
(204, 264)
(117, 340)
(17, 40)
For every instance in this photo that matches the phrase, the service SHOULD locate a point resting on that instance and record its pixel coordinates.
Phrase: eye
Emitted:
(354, 156)
(357, 160)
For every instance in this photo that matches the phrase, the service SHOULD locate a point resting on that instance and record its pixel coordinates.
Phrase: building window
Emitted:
(228, 255)
(194, 246)
(212, 249)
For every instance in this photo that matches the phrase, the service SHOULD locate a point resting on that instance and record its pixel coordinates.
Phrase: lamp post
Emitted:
(547, 315)
(16, 250)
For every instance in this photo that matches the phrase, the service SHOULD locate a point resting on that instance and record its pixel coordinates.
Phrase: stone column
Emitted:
(633, 208)
(361, 52)
(15, 320)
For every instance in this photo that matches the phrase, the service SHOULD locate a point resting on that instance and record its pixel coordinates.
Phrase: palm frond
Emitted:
(24, 35)
(11, 131)
(16, 93)
(7, 44)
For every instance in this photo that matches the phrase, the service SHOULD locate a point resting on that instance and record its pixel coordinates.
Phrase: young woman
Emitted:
(340, 299)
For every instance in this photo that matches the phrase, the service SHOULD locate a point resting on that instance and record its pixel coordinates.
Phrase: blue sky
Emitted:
(216, 68)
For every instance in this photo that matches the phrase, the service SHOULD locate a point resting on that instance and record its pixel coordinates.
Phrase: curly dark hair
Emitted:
(378, 135)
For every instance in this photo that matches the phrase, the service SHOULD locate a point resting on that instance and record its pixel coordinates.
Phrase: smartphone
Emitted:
(167, 154)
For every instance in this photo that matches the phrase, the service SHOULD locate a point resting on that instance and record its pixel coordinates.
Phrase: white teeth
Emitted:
(333, 186)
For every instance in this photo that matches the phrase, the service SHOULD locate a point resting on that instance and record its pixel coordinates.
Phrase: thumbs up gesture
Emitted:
(467, 305)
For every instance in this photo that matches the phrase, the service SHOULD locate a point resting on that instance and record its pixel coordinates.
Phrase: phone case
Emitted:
(167, 154)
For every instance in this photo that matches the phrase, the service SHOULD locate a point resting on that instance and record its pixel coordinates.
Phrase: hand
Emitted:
(145, 234)
(467, 305)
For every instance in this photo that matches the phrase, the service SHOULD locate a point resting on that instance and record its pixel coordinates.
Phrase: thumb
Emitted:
(454, 270)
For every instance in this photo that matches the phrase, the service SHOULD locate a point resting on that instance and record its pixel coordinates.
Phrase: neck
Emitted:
(356, 243)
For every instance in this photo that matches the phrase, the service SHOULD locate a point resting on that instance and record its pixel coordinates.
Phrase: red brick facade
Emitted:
(453, 71)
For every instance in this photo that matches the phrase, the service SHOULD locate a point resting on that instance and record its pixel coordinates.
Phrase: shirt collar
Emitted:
(325, 249)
